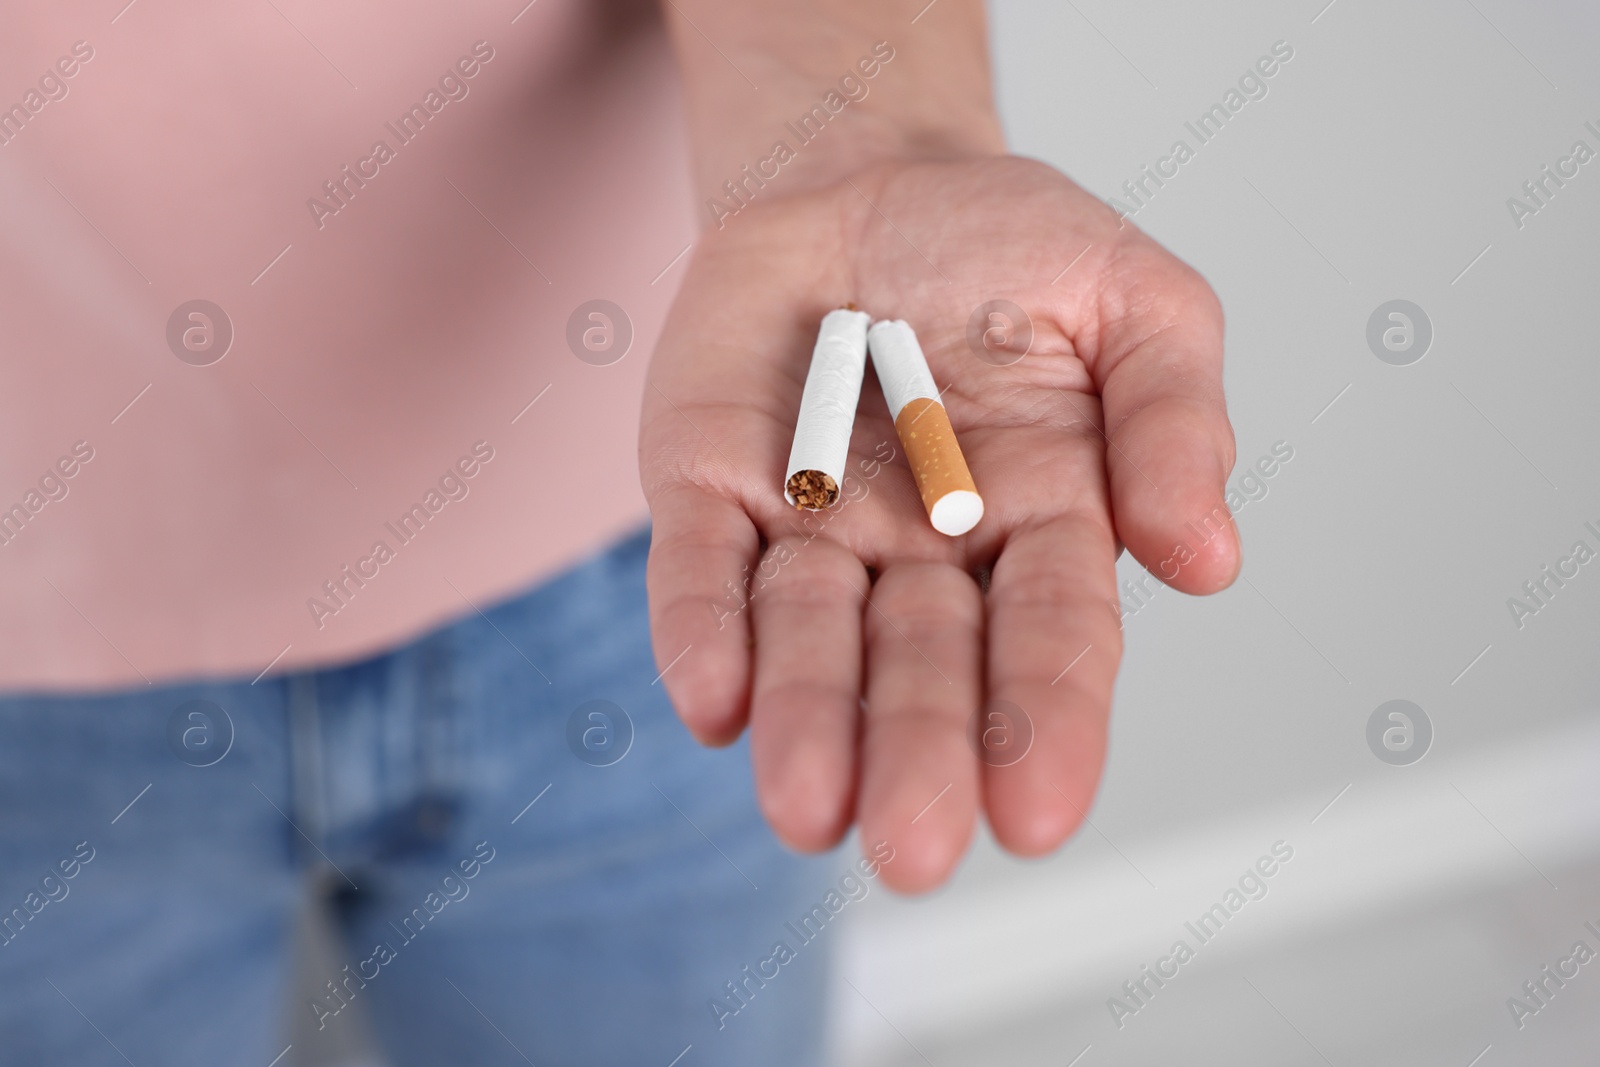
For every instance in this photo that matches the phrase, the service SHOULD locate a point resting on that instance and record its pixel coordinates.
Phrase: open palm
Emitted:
(859, 644)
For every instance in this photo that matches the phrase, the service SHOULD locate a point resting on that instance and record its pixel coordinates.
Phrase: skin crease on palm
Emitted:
(859, 667)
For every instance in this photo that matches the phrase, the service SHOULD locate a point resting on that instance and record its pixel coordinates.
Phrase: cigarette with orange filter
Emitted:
(920, 420)
(827, 411)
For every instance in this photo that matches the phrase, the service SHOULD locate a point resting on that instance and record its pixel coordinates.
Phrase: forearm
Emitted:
(790, 94)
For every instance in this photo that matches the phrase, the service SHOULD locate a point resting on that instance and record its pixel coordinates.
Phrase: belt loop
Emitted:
(439, 727)
(306, 784)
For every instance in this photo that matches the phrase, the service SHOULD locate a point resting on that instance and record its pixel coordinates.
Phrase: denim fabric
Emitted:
(593, 927)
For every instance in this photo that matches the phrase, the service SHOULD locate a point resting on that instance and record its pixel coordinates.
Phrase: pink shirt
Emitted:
(397, 213)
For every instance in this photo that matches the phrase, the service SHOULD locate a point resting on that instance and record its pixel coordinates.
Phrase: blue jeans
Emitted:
(528, 859)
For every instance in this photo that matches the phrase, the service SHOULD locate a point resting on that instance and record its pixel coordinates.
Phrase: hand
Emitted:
(868, 647)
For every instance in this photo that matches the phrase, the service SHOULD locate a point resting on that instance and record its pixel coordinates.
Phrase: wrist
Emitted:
(800, 105)
(879, 138)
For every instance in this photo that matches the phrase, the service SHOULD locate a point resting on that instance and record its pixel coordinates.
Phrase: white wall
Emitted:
(1379, 566)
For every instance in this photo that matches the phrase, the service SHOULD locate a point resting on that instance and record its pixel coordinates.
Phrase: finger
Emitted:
(1170, 444)
(806, 701)
(1054, 645)
(701, 548)
(919, 778)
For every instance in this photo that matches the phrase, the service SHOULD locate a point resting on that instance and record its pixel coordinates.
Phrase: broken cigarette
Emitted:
(943, 479)
(827, 411)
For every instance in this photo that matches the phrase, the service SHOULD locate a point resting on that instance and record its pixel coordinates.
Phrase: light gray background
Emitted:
(1378, 567)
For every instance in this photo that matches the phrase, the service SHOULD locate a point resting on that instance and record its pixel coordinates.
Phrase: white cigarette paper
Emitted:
(923, 426)
(902, 369)
(827, 410)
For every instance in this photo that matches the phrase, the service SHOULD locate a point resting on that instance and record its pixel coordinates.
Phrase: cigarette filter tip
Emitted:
(956, 512)
(923, 426)
(943, 480)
